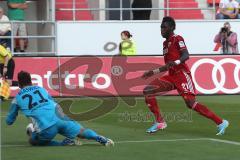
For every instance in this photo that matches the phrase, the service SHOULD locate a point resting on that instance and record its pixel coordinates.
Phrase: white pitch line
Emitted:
(154, 140)
(14, 145)
(164, 140)
(225, 141)
(124, 142)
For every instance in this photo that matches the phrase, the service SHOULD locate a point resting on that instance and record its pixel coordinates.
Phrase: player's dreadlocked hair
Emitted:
(170, 21)
(24, 79)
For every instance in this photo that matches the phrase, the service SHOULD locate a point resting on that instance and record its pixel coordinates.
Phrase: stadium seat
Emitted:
(68, 15)
(184, 14)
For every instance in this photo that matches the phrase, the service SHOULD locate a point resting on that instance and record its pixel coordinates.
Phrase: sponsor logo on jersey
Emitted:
(169, 44)
(181, 44)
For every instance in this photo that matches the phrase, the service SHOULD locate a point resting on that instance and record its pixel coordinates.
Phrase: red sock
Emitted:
(201, 109)
(153, 106)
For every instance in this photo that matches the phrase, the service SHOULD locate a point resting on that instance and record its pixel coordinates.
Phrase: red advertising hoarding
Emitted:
(121, 76)
(40, 68)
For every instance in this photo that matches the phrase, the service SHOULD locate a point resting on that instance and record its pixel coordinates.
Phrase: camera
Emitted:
(224, 30)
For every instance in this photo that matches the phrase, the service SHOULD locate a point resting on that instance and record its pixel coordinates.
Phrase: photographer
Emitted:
(227, 39)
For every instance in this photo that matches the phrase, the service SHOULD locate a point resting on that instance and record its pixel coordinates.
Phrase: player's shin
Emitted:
(203, 110)
(151, 102)
(88, 134)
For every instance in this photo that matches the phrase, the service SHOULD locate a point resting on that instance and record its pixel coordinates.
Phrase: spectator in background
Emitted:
(127, 47)
(228, 9)
(5, 29)
(227, 39)
(16, 13)
(141, 14)
(7, 66)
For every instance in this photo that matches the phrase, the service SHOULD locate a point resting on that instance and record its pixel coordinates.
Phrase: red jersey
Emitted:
(172, 52)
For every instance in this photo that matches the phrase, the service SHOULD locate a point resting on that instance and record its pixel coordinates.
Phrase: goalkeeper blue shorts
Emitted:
(67, 128)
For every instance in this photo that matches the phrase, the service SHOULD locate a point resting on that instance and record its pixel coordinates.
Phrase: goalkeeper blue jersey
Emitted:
(35, 103)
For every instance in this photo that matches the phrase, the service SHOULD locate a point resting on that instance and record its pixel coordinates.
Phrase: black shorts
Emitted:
(10, 69)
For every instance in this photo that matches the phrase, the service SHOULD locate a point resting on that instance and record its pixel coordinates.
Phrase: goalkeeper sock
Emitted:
(89, 134)
(153, 106)
(201, 109)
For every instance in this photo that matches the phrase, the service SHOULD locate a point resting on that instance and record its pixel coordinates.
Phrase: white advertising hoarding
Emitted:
(103, 38)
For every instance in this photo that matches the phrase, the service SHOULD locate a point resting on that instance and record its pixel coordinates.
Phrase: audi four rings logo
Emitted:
(218, 66)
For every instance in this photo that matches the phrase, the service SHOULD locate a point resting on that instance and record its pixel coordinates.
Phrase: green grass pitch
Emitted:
(188, 135)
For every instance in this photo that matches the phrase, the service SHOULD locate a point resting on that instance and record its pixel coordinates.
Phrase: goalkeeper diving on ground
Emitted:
(47, 117)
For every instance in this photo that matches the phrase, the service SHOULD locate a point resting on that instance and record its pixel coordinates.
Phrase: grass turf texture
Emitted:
(179, 141)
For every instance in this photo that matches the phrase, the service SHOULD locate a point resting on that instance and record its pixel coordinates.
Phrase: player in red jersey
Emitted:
(179, 77)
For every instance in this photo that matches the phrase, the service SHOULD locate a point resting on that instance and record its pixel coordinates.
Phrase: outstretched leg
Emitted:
(204, 111)
(72, 129)
(90, 134)
(186, 89)
(157, 86)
